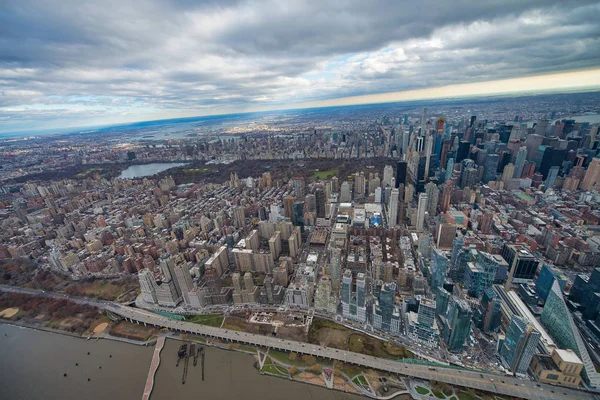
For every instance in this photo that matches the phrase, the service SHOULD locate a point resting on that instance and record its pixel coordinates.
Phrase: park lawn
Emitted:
(421, 390)
(299, 361)
(438, 394)
(361, 381)
(274, 369)
(324, 174)
(359, 343)
(209, 319)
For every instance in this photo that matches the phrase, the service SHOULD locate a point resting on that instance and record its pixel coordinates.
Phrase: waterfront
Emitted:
(39, 360)
(141, 170)
(34, 364)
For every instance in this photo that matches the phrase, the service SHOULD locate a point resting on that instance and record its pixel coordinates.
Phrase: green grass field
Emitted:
(210, 319)
(324, 174)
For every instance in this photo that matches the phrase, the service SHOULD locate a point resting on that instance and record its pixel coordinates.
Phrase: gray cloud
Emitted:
(70, 61)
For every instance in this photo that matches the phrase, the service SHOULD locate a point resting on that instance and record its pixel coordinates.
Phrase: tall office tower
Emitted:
(433, 194)
(480, 275)
(422, 207)
(540, 127)
(311, 202)
(184, 281)
(442, 298)
(386, 305)
(545, 280)
(523, 265)
(345, 195)
(401, 168)
(320, 203)
(489, 317)
(335, 262)
(519, 346)
(298, 186)
(490, 167)
(298, 214)
(213, 281)
(552, 175)
(520, 161)
(426, 313)
(457, 324)
(468, 177)
(378, 192)
(239, 216)
(424, 122)
(409, 192)
(508, 173)
(361, 297)
(393, 208)
(359, 185)
(464, 148)
(447, 191)
(558, 321)
(388, 173)
(288, 206)
(335, 184)
(592, 176)
(346, 292)
(449, 169)
(428, 147)
(148, 286)
(439, 268)
(533, 143)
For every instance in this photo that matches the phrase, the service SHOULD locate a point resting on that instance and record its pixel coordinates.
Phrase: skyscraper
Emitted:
(147, 286)
(184, 280)
(388, 173)
(320, 200)
(457, 324)
(439, 268)
(520, 161)
(519, 345)
(592, 175)
(401, 168)
(422, 207)
(432, 191)
(393, 208)
(345, 195)
(523, 265)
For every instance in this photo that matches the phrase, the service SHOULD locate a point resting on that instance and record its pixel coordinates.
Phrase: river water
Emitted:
(33, 364)
(141, 170)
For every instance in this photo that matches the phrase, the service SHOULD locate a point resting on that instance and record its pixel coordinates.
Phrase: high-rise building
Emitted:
(557, 319)
(320, 203)
(298, 186)
(519, 345)
(359, 185)
(490, 167)
(523, 265)
(552, 175)
(545, 280)
(354, 301)
(147, 286)
(520, 161)
(401, 169)
(385, 313)
(433, 193)
(422, 208)
(488, 315)
(184, 281)
(480, 274)
(388, 173)
(334, 267)
(288, 206)
(508, 173)
(239, 217)
(345, 195)
(592, 176)
(439, 268)
(457, 324)
(298, 214)
(393, 208)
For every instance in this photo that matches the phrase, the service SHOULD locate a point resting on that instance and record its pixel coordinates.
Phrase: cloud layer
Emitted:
(74, 63)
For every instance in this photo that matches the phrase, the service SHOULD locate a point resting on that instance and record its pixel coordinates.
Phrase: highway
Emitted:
(500, 384)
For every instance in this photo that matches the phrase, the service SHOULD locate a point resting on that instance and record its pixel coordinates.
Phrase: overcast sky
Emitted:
(75, 63)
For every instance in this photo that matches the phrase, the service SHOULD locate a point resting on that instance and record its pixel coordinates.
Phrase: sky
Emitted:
(70, 63)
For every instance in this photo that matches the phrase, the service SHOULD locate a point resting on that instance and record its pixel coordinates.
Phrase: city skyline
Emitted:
(83, 66)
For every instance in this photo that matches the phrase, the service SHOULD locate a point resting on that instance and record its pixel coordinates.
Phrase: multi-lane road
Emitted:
(519, 388)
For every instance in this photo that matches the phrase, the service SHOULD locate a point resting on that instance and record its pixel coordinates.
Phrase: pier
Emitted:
(160, 343)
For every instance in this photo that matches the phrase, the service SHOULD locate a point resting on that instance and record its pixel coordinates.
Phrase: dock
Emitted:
(160, 343)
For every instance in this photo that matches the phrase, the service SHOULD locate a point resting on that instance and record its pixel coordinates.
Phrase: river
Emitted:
(141, 170)
(34, 363)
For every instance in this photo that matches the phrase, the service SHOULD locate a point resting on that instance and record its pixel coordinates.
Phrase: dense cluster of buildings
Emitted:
(472, 232)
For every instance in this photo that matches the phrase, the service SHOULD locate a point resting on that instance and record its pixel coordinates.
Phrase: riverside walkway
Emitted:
(153, 367)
